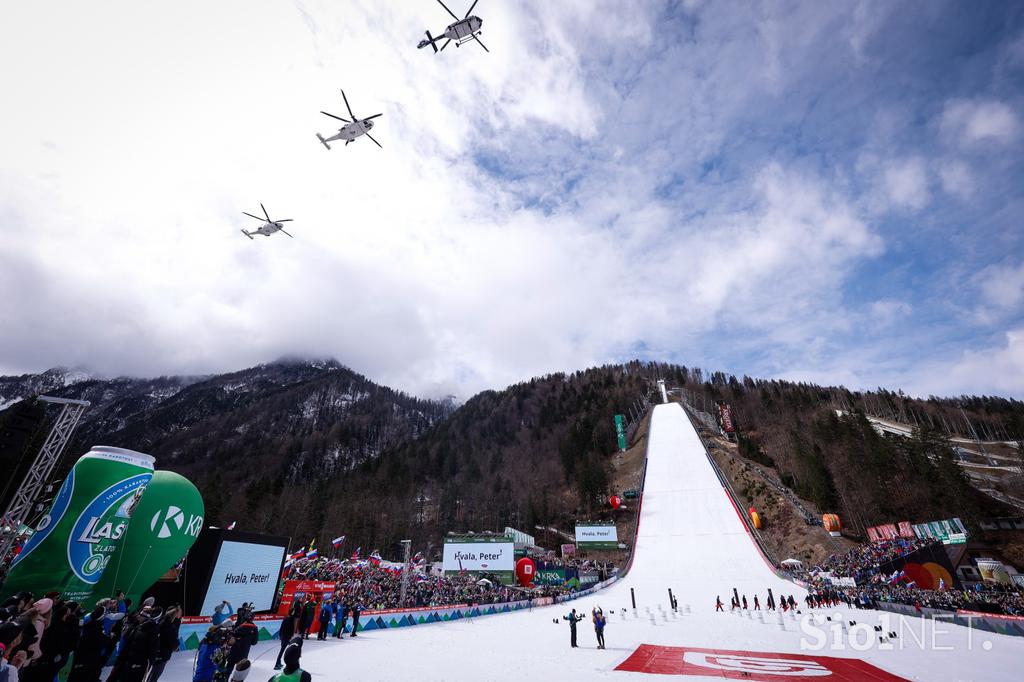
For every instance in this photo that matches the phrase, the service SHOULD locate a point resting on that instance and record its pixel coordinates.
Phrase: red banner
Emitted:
(299, 589)
(750, 665)
(726, 414)
(906, 530)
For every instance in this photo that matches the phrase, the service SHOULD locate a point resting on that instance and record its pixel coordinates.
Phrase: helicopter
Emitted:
(267, 228)
(463, 30)
(352, 129)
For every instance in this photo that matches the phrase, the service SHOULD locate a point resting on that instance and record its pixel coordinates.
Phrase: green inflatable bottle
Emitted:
(167, 521)
(74, 541)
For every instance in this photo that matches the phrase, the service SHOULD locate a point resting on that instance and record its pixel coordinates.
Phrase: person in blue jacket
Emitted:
(205, 666)
(326, 614)
(340, 616)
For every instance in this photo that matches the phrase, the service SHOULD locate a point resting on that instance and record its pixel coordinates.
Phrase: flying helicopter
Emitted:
(462, 31)
(267, 228)
(352, 129)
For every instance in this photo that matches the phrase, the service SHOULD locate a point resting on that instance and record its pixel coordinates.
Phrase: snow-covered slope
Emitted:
(691, 540)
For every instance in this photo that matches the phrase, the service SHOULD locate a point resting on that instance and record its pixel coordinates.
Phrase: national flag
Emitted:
(375, 557)
(312, 554)
(298, 555)
(338, 540)
(312, 542)
(231, 526)
(355, 554)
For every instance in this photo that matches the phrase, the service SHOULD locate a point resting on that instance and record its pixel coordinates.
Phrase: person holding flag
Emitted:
(337, 543)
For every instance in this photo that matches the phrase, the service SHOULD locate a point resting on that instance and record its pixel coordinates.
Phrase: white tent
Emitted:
(792, 562)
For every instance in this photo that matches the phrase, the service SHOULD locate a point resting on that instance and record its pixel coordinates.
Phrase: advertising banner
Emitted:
(88, 518)
(906, 530)
(476, 554)
(596, 536)
(725, 412)
(519, 538)
(568, 550)
(620, 431)
(948, 531)
(164, 526)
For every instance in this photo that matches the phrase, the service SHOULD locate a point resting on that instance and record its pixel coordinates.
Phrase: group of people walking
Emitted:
(740, 602)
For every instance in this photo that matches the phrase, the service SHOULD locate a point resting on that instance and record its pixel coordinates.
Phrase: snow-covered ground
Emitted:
(691, 540)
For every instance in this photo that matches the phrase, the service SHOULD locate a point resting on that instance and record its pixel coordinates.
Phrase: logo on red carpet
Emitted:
(750, 665)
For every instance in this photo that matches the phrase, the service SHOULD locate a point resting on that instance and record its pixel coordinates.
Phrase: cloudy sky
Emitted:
(819, 191)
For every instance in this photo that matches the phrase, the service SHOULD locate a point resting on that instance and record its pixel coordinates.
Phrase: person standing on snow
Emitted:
(744, 602)
(718, 604)
(599, 623)
(308, 609)
(573, 618)
(757, 604)
(326, 614)
(292, 672)
(356, 609)
(340, 616)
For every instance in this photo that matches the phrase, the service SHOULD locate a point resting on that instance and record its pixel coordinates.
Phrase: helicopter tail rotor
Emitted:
(429, 41)
(322, 140)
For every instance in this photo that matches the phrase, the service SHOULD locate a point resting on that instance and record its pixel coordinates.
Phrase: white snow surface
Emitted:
(691, 540)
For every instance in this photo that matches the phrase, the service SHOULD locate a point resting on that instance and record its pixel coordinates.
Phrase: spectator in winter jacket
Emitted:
(285, 634)
(357, 608)
(308, 611)
(58, 641)
(326, 613)
(292, 672)
(93, 649)
(599, 623)
(140, 647)
(38, 618)
(245, 636)
(340, 616)
(222, 611)
(169, 626)
(205, 666)
(10, 657)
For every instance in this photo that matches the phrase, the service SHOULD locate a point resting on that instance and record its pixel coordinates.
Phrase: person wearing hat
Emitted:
(35, 621)
(94, 646)
(10, 660)
(169, 626)
(141, 646)
(292, 672)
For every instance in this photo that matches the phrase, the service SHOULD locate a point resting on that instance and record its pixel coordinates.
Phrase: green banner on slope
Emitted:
(620, 431)
(164, 526)
(75, 539)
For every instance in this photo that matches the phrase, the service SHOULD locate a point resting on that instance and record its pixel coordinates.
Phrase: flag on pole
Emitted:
(355, 554)
(312, 543)
(375, 557)
(312, 554)
(231, 526)
(338, 540)
(298, 555)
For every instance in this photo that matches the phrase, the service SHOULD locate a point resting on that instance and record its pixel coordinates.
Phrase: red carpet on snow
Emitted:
(750, 665)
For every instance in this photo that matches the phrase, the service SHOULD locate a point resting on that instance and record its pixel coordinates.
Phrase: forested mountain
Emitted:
(313, 449)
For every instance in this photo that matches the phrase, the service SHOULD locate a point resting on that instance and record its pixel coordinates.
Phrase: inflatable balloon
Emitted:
(831, 523)
(615, 501)
(526, 569)
(755, 518)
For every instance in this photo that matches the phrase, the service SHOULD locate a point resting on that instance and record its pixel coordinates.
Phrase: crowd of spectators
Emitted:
(864, 561)
(378, 586)
(38, 638)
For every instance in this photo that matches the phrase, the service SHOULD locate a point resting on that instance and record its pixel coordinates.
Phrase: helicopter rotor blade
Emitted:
(448, 10)
(468, 11)
(481, 44)
(445, 45)
(374, 141)
(282, 230)
(284, 220)
(337, 117)
(374, 116)
(346, 105)
(266, 214)
(252, 216)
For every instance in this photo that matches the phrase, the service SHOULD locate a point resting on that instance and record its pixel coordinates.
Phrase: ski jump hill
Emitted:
(691, 539)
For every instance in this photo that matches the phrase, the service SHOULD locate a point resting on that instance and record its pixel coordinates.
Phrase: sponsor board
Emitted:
(749, 665)
(489, 554)
(948, 531)
(597, 536)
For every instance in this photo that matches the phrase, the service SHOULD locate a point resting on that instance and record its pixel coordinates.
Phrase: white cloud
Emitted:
(887, 312)
(956, 179)
(971, 122)
(907, 183)
(995, 370)
(1002, 287)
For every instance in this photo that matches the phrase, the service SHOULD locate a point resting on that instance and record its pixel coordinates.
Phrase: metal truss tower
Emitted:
(20, 509)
